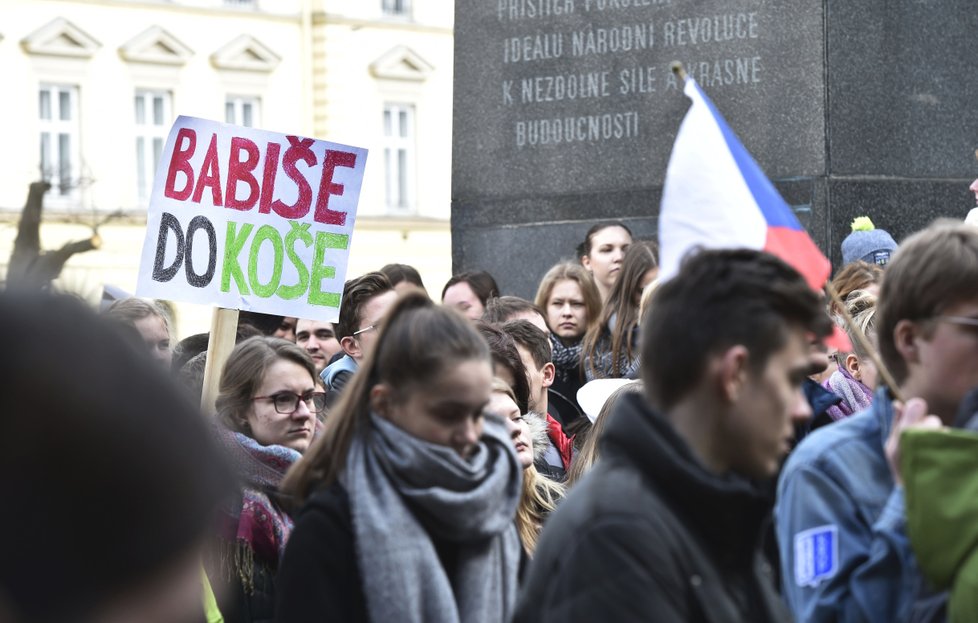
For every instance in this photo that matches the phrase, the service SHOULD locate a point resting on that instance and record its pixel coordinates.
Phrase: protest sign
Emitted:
(251, 220)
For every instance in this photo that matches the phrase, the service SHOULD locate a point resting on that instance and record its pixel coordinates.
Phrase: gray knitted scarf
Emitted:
(404, 491)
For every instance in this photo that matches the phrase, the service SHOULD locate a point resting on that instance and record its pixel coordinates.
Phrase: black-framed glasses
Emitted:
(288, 402)
(365, 329)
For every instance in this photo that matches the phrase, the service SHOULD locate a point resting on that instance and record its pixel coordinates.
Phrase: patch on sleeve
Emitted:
(816, 555)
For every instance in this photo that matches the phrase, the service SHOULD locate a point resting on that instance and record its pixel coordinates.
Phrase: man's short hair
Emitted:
(356, 293)
(502, 347)
(483, 285)
(931, 271)
(500, 309)
(398, 273)
(720, 299)
(530, 337)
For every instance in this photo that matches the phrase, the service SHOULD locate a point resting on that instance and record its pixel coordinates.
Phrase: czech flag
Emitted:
(716, 197)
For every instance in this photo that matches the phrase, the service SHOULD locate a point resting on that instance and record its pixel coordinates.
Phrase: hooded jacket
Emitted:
(335, 377)
(940, 472)
(650, 534)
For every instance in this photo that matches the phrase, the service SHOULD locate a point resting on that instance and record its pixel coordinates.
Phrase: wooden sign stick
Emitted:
(224, 328)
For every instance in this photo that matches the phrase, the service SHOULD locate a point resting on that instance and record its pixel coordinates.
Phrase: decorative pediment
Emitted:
(155, 45)
(61, 38)
(245, 53)
(401, 63)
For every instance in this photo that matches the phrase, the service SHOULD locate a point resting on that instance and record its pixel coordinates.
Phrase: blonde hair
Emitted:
(645, 304)
(131, 310)
(857, 275)
(639, 259)
(540, 495)
(568, 271)
(861, 306)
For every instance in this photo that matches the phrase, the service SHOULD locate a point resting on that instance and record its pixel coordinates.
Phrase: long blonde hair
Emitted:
(568, 271)
(621, 304)
(540, 495)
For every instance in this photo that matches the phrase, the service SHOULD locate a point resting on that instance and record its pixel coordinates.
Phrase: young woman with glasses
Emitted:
(268, 402)
(408, 498)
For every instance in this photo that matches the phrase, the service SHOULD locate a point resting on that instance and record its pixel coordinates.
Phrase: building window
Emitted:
(153, 119)
(60, 146)
(399, 156)
(396, 7)
(241, 110)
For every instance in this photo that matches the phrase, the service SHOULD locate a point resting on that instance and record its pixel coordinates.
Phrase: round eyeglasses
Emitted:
(288, 402)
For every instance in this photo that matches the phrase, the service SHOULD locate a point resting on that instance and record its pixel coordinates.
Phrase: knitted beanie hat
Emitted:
(867, 243)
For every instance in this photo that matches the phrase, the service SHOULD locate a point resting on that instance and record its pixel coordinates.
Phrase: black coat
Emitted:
(319, 578)
(651, 535)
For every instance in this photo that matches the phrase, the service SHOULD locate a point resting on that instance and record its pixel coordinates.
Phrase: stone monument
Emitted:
(566, 111)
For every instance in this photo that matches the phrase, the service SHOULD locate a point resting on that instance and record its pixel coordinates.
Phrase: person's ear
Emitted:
(380, 399)
(732, 369)
(586, 262)
(351, 346)
(852, 366)
(905, 336)
(549, 373)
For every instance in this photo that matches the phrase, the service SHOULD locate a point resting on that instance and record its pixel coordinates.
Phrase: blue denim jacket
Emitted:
(841, 524)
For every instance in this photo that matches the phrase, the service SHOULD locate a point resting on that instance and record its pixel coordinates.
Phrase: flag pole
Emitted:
(678, 69)
(863, 341)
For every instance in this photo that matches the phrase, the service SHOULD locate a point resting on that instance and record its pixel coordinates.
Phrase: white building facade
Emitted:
(92, 88)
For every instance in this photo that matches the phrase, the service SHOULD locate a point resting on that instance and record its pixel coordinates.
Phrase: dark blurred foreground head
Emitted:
(109, 478)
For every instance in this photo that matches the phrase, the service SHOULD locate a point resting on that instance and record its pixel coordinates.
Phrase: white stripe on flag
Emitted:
(705, 200)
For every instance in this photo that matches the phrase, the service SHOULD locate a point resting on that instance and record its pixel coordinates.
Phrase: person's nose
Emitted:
(513, 428)
(802, 411)
(466, 436)
(302, 411)
(566, 310)
(312, 345)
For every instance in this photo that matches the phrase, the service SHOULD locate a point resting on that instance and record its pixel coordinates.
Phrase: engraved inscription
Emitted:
(586, 71)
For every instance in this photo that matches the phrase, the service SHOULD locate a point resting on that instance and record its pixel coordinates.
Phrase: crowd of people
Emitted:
(614, 449)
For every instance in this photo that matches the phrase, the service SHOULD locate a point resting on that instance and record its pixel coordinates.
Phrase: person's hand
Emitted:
(905, 416)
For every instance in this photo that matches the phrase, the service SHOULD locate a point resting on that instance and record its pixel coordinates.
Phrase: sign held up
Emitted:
(252, 220)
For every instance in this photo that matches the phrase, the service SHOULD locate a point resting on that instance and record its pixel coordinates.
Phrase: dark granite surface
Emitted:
(518, 130)
(903, 88)
(851, 108)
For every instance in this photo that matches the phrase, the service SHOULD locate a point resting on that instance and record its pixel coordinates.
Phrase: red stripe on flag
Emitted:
(839, 340)
(799, 251)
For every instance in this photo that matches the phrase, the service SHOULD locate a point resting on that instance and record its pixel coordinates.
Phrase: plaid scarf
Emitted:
(565, 357)
(253, 527)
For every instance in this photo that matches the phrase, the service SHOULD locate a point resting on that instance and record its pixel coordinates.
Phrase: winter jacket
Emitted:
(841, 528)
(335, 377)
(319, 578)
(651, 535)
(940, 473)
